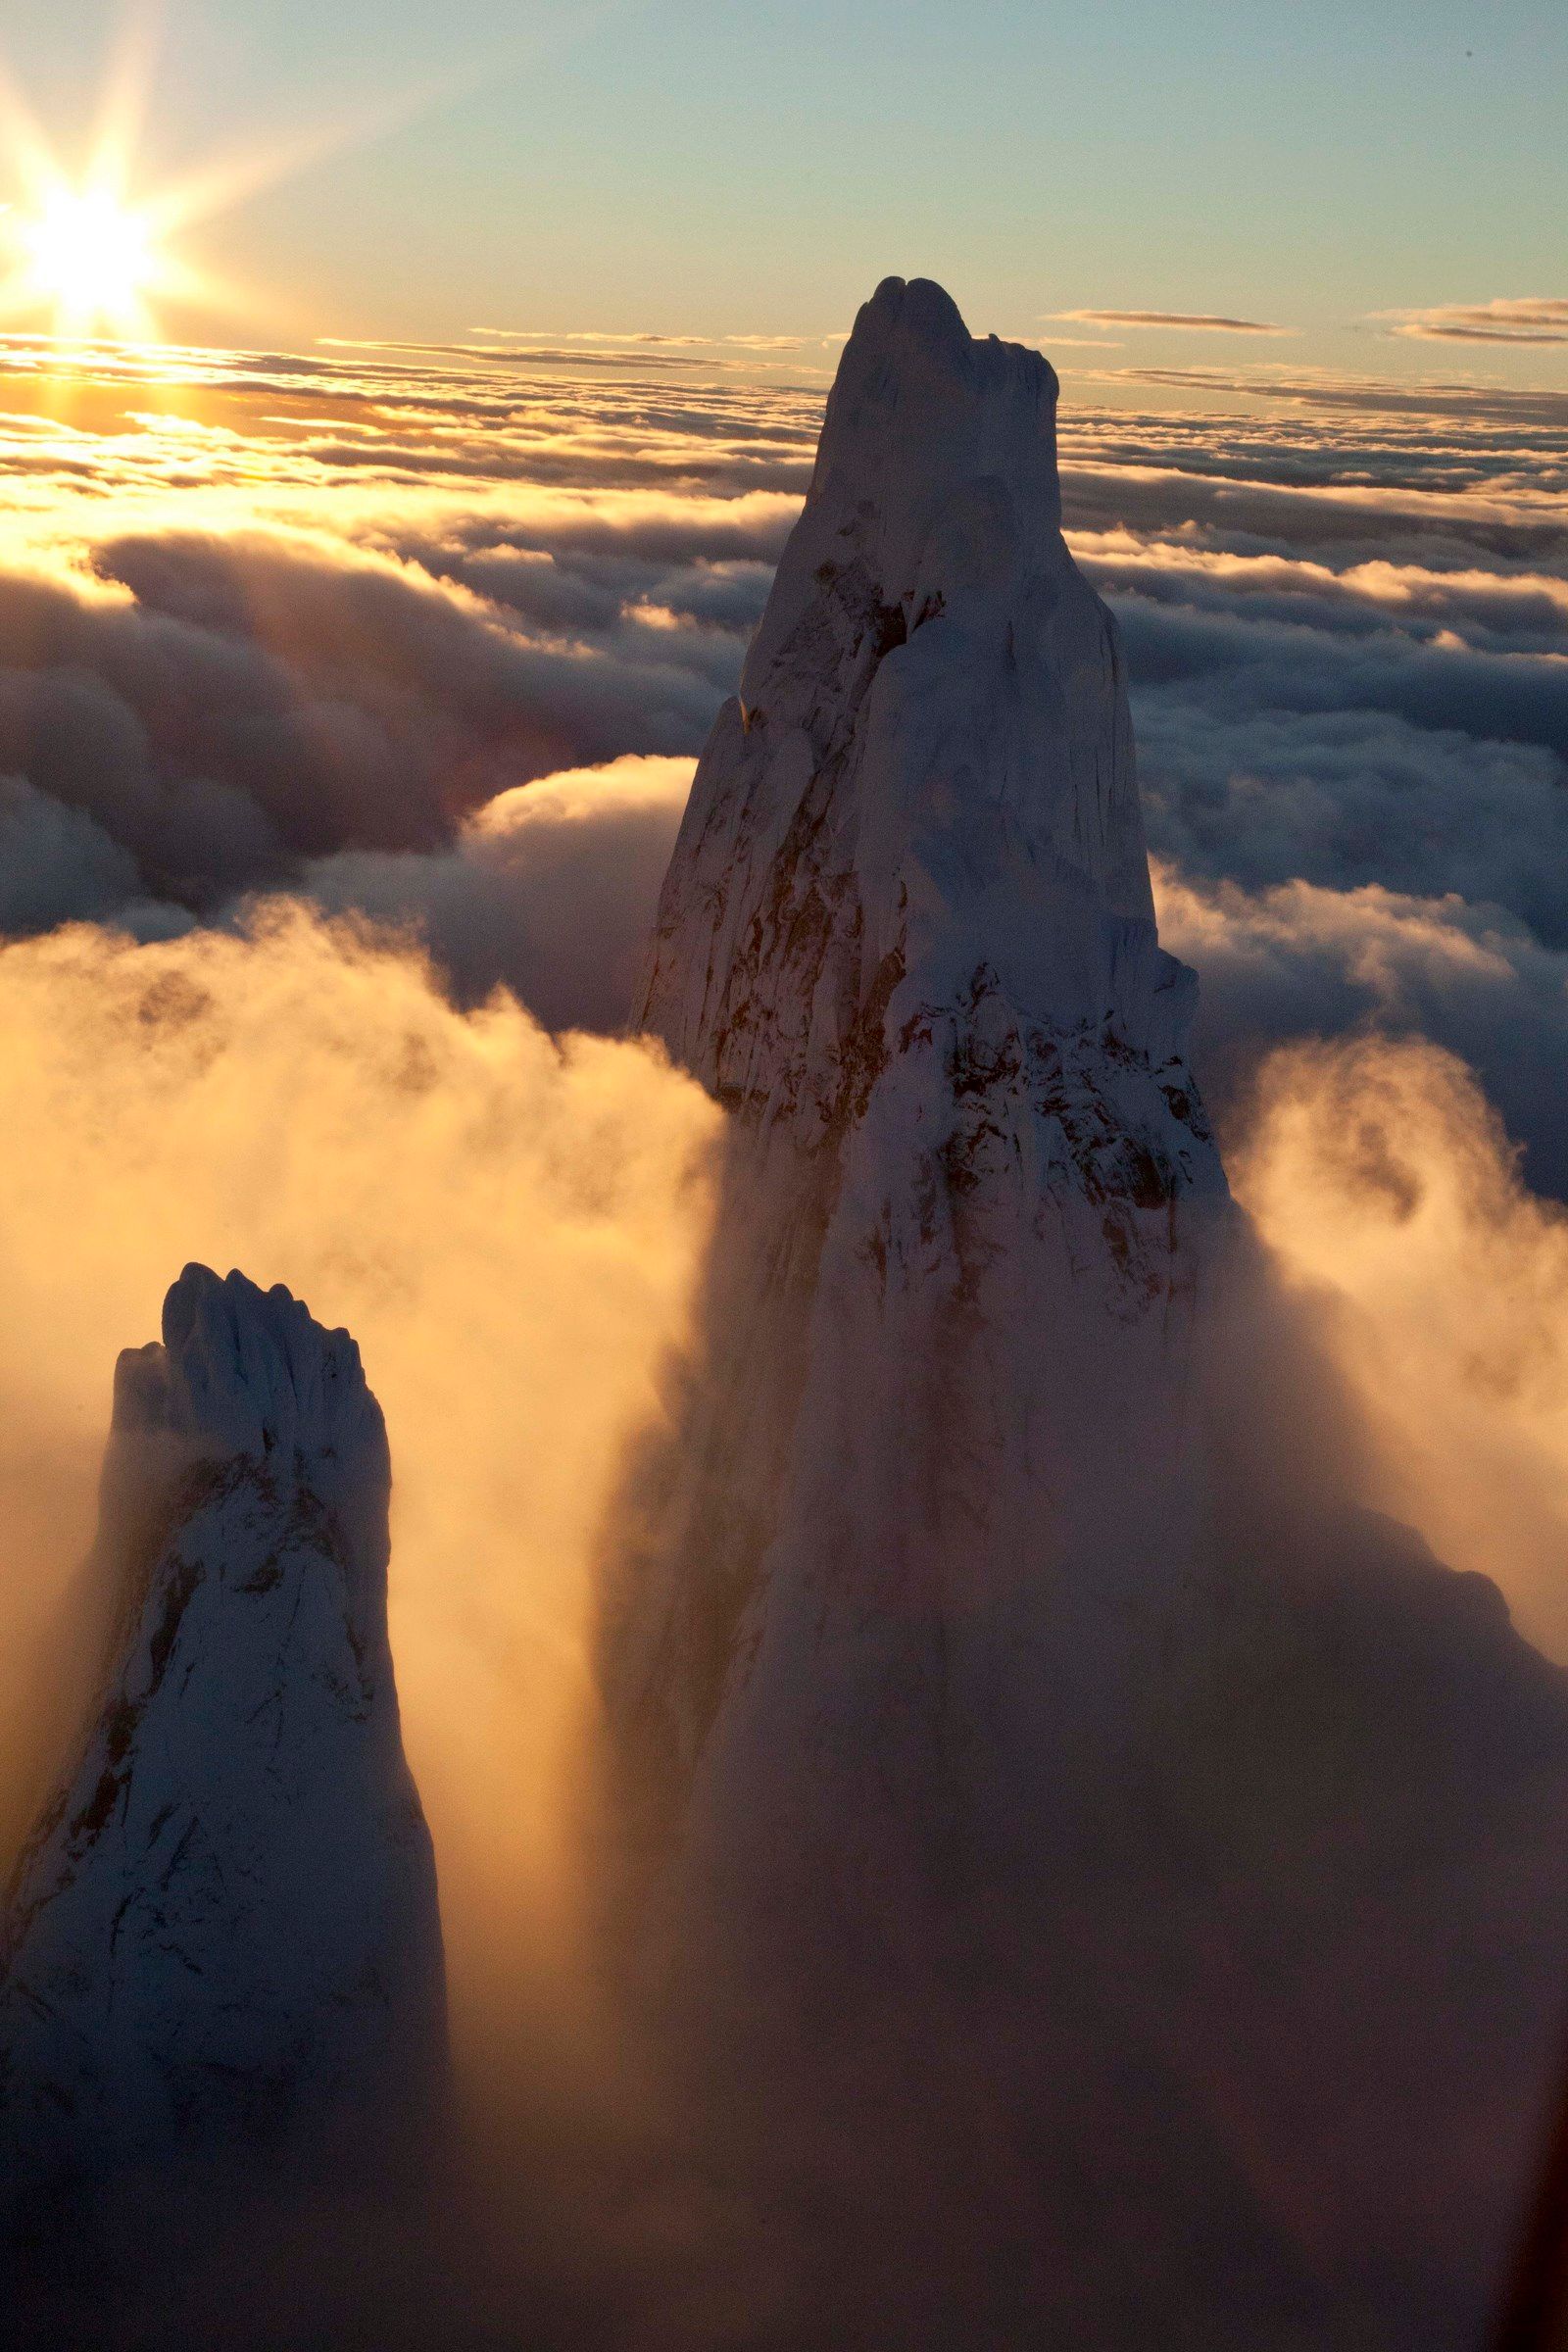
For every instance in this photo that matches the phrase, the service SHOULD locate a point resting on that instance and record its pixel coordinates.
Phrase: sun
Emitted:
(97, 253)
(100, 253)
(92, 258)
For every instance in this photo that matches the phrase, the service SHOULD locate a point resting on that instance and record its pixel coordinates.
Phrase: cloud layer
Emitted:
(432, 637)
(1202, 321)
(312, 624)
(1384, 1181)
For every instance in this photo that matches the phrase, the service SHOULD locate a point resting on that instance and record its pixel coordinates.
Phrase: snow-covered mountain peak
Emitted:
(224, 1935)
(243, 1372)
(924, 797)
(249, 1370)
(937, 465)
(972, 1197)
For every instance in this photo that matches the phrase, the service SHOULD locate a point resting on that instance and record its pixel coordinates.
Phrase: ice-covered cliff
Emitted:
(222, 1937)
(907, 935)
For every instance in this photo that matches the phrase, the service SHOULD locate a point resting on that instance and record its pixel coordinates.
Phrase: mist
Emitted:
(1389, 1191)
(509, 1226)
(514, 1227)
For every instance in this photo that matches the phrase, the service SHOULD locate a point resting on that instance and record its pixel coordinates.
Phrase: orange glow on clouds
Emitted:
(1383, 1180)
(512, 1226)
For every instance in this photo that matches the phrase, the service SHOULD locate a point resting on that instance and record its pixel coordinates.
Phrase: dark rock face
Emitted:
(223, 1940)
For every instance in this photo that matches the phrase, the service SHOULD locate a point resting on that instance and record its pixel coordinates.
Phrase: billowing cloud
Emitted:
(1265, 789)
(199, 714)
(1297, 961)
(55, 863)
(548, 889)
(1385, 1182)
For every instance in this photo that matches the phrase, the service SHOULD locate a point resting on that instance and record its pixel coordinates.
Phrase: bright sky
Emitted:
(724, 167)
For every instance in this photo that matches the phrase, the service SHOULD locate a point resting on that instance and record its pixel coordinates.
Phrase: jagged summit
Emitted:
(919, 414)
(243, 1372)
(927, 781)
(223, 1934)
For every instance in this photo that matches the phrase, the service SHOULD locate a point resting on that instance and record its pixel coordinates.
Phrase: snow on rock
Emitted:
(223, 1933)
(907, 935)
(926, 784)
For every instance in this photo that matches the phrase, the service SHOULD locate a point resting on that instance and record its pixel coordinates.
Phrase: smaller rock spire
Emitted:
(224, 1935)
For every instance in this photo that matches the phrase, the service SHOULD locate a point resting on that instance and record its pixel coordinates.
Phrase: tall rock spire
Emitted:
(930, 763)
(907, 937)
(224, 1935)
(1124, 1880)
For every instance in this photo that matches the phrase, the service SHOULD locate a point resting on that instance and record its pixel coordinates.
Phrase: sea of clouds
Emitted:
(316, 641)
(338, 692)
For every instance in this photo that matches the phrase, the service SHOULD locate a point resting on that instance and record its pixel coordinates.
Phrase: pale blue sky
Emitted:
(755, 165)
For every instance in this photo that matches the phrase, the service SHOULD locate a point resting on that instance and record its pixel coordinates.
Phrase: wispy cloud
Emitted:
(642, 335)
(1207, 322)
(1525, 319)
(1322, 387)
(590, 334)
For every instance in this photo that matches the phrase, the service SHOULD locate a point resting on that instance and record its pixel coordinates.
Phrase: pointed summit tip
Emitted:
(921, 406)
(922, 316)
(917, 308)
(243, 1371)
(937, 465)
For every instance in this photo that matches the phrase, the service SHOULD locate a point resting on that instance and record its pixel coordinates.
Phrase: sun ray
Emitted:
(96, 251)
(93, 254)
